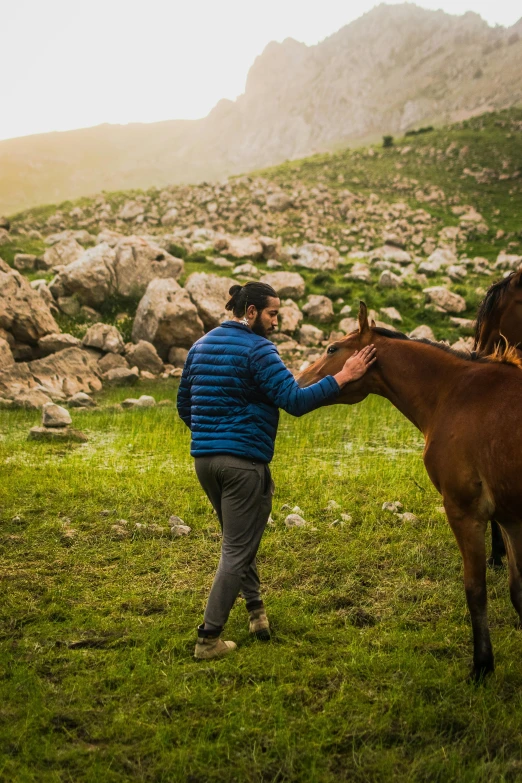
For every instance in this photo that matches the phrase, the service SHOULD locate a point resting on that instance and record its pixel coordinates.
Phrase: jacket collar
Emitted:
(236, 325)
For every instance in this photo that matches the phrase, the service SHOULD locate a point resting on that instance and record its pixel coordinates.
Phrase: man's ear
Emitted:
(251, 311)
(363, 318)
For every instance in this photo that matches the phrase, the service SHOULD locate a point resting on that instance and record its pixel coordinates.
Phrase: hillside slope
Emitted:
(394, 68)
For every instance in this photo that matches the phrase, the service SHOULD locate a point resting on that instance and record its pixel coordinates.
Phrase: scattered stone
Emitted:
(407, 517)
(24, 262)
(389, 280)
(310, 335)
(223, 263)
(249, 270)
(55, 416)
(69, 305)
(392, 314)
(178, 357)
(445, 299)
(23, 312)
(178, 527)
(394, 506)
(290, 316)
(145, 401)
(422, 332)
(6, 355)
(62, 253)
(278, 202)
(167, 316)
(52, 343)
(118, 531)
(61, 435)
(319, 308)
(316, 256)
(349, 325)
(144, 356)
(295, 520)
(104, 337)
(111, 361)
(81, 400)
(286, 284)
(333, 505)
(210, 295)
(122, 376)
(465, 324)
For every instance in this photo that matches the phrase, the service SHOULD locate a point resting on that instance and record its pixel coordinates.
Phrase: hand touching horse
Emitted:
(470, 415)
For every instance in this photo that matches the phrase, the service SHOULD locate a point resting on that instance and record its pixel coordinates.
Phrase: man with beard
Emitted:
(232, 386)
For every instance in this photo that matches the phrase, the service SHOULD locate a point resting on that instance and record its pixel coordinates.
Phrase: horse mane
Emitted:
(507, 355)
(490, 303)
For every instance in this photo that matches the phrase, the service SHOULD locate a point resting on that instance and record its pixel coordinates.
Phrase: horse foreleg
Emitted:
(498, 549)
(470, 534)
(514, 553)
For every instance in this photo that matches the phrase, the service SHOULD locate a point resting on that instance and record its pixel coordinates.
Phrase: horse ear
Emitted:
(363, 318)
(372, 323)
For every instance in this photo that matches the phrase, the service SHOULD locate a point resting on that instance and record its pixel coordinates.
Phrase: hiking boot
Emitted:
(259, 625)
(211, 646)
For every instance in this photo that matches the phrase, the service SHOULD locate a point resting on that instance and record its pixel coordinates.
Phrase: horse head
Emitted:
(333, 359)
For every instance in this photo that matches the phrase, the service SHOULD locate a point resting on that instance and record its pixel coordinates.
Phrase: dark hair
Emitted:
(242, 296)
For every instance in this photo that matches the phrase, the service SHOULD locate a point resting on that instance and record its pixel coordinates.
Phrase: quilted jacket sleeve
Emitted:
(279, 385)
(183, 400)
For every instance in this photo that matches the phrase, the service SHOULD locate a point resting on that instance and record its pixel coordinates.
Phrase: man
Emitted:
(232, 386)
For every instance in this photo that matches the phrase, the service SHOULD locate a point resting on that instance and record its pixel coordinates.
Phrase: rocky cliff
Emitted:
(394, 68)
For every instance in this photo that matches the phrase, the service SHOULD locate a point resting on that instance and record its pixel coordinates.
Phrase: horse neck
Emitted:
(414, 377)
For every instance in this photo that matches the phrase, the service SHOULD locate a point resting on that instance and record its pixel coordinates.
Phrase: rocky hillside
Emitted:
(393, 69)
(118, 287)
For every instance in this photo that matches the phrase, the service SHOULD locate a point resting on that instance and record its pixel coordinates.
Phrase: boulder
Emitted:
(247, 269)
(55, 416)
(15, 379)
(131, 210)
(5, 239)
(138, 261)
(22, 311)
(79, 235)
(103, 337)
(422, 332)
(210, 293)
(278, 202)
(81, 400)
(389, 280)
(91, 277)
(238, 247)
(62, 253)
(24, 262)
(360, 273)
(42, 289)
(52, 343)
(67, 372)
(310, 335)
(392, 314)
(445, 299)
(144, 356)
(271, 248)
(508, 261)
(111, 238)
(6, 355)
(145, 401)
(50, 435)
(170, 217)
(111, 361)
(167, 316)
(314, 255)
(122, 376)
(32, 399)
(441, 257)
(349, 325)
(178, 356)
(69, 305)
(319, 308)
(393, 254)
(290, 316)
(285, 284)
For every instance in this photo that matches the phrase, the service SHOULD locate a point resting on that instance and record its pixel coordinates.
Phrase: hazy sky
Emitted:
(75, 63)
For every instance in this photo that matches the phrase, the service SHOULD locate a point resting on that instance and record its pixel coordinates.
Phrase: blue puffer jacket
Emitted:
(232, 385)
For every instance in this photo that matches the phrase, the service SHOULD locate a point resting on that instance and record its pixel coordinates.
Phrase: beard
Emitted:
(258, 328)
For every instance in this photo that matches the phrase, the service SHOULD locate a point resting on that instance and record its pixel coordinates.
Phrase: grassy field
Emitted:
(365, 678)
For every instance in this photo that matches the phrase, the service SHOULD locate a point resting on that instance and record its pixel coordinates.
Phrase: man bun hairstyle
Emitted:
(241, 296)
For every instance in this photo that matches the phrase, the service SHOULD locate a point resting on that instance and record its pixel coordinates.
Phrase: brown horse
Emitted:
(470, 415)
(499, 317)
(499, 321)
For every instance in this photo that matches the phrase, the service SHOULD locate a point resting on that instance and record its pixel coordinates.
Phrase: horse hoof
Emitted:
(479, 674)
(494, 562)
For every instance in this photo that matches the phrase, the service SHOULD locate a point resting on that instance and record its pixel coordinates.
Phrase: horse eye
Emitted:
(331, 349)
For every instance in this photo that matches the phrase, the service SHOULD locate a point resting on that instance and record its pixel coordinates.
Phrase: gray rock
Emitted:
(349, 325)
(63, 435)
(167, 316)
(67, 372)
(111, 361)
(210, 295)
(389, 280)
(392, 506)
(285, 284)
(180, 530)
(55, 416)
(145, 401)
(103, 337)
(392, 314)
(422, 332)
(91, 276)
(121, 376)
(319, 308)
(223, 263)
(314, 255)
(359, 273)
(81, 400)
(138, 261)
(445, 299)
(6, 355)
(145, 357)
(22, 311)
(178, 356)
(52, 343)
(62, 253)
(238, 247)
(310, 335)
(131, 210)
(31, 399)
(170, 217)
(278, 202)
(290, 316)
(24, 262)
(295, 520)
(69, 305)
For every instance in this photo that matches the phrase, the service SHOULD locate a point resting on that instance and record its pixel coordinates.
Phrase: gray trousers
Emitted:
(240, 491)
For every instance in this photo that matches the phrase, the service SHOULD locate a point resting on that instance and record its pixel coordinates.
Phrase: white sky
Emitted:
(75, 63)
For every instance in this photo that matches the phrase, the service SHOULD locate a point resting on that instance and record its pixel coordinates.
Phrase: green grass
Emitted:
(365, 678)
